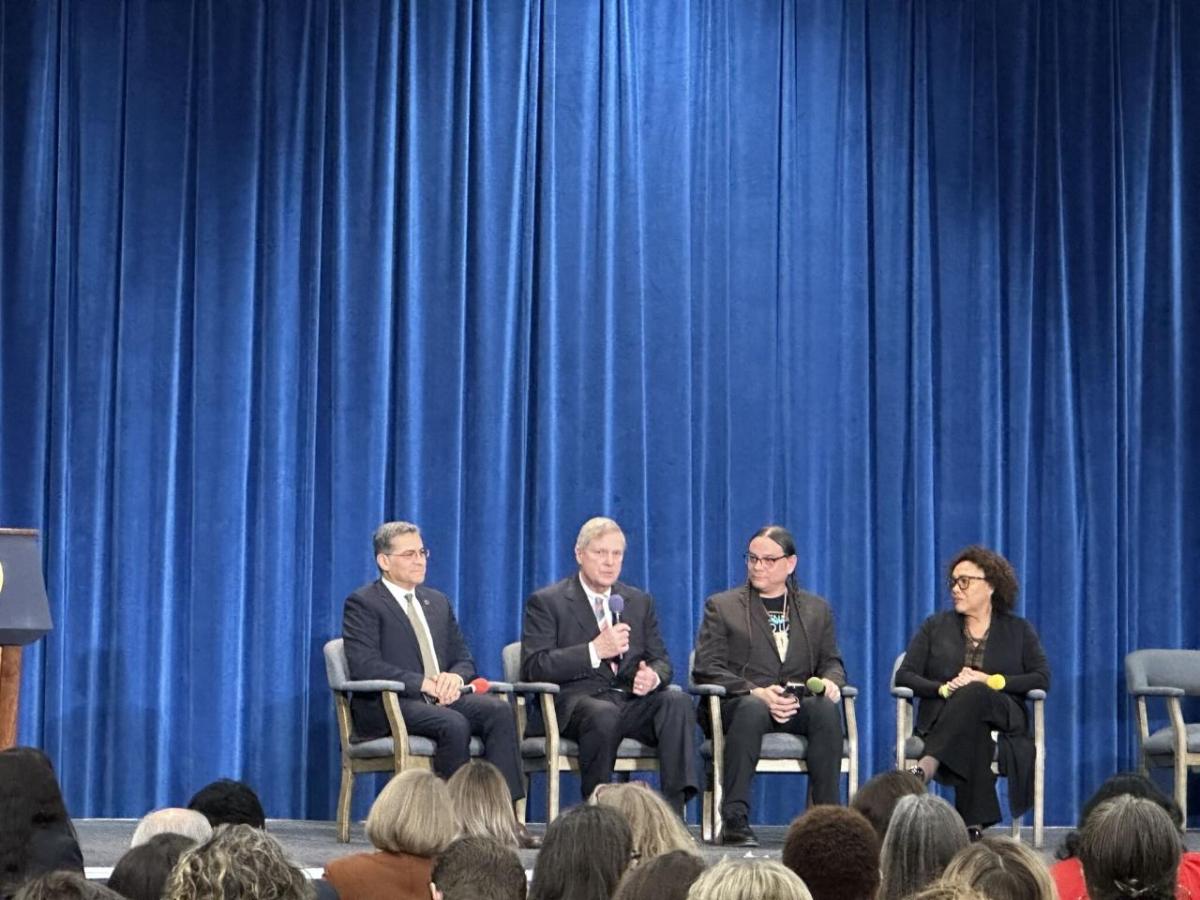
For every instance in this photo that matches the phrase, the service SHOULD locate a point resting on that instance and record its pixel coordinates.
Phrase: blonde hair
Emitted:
(656, 829)
(749, 879)
(412, 815)
(594, 528)
(482, 804)
(1002, 869)
(948, 889)
(238, 862)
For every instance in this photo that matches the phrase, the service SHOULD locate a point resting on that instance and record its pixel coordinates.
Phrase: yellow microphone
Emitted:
(996, 682)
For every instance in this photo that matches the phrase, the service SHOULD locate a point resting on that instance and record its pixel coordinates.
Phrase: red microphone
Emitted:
(478, 685)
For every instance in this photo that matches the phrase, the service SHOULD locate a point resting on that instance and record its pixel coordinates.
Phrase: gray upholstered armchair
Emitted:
(1172, 675)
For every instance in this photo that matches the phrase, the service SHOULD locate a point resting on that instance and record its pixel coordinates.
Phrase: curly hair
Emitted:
(996, 569)
(239, 862)
(835, 851)
(30, 800)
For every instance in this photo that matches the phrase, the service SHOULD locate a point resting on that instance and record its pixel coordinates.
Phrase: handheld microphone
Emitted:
(815, 686)
(812, 687)
(617, 604)
(478, 685)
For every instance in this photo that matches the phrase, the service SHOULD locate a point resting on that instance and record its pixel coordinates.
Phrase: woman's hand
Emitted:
(963, 678)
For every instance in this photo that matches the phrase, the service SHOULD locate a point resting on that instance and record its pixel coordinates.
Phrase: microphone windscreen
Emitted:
(617, 604)
(480, 685)
(815, 686)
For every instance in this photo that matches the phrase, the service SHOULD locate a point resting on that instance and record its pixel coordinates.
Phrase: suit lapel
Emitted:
(384, 596)
(758, 616)
(582, 607)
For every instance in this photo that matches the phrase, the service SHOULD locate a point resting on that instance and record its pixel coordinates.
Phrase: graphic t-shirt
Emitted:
(776, 608)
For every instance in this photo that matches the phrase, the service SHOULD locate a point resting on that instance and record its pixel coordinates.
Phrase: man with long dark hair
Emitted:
(756, 640)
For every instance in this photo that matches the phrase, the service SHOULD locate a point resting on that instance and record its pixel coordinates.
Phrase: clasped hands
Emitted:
(784, 705)
(445, 688)
(963, 678)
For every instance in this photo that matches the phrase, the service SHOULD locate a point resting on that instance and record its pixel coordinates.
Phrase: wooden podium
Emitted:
(24, 617)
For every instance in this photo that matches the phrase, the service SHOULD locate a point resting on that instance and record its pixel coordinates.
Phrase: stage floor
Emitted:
(311, 844)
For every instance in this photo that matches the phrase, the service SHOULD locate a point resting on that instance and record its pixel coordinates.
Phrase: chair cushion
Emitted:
(1162, 742)
(535, 748)
(778, 746)
(417, 746)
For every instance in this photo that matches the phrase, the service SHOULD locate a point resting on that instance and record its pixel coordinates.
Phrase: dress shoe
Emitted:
(526, 839)
(920, 773)
(735, 832)
(974, 834)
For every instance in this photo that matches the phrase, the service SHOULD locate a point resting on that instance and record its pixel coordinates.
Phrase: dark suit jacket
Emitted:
(736, 647)
(559, 624)
(381, 644)
(936, 652)
(380, 876)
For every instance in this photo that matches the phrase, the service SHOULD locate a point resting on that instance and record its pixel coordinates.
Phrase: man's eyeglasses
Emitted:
(962, 582)
(410, 555)
(766, 561)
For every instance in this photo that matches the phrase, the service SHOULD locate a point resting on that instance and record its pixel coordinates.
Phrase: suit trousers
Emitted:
(961, 741)
(747, 719)
(487, 716)
(666, 719)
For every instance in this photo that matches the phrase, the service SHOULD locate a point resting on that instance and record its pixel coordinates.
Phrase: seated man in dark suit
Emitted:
(395, 629)
(612, 667)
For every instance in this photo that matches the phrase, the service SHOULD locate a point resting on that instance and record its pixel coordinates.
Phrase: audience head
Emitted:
(835, 851)
(584, 854)
(924, 834)
(878, 797)
(668, 876)
(239, 862)
(478, 868)
(1002, 869)
(1129, 847)
(944, 889)
(1119, 785)
(64, 886)
(749, 879)
(142, 872)
(656, 829)
(413, 815)
(30, 800)
(172, 820)
(482, 803)
(229, 802)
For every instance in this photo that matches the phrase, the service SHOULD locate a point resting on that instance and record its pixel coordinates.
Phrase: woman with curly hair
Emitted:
(971, 667)
(36, 834)
(656, 829)
(238, 862)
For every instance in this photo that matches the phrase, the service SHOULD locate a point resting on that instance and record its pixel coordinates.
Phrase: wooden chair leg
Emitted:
(552, 786)
(343, 809)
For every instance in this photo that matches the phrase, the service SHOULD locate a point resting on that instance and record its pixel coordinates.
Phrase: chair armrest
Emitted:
(1036, 694)
(535, 687)
(500, 687)
(1157, 691)
(374, 687)
(849, 691)
(673, 687)
(706, 690)
(902, 693)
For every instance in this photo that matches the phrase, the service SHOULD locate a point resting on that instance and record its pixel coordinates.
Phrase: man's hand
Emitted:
(833, 693)
(645, 680)
(782, 704)
(446, 688)
(613, 640)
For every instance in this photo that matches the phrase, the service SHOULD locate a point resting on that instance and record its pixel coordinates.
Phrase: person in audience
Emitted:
(1068, 871)
(835, 851)
(971, 667)
(1130, 848)
(667, 876)
(758, 640)
(239, 862)
(142, 872)
(64, 886)
(611, 666)
(229, 802)
(924, 834)
(878, 797)
(36, 834)
(410, 822)
(749, 879)
(172, 820)
(950, 890)
(482, 805)
(584, 855)
(477, 867)
(655, 827)
(1002, 869)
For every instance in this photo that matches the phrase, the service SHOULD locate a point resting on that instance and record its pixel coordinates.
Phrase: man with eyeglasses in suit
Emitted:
(396, 629)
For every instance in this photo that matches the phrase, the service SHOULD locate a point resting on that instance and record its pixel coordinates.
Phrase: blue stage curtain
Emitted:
(900, 276)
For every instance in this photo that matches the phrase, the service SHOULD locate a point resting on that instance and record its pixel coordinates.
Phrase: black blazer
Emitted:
(936, 653)
(381, 644)
(736, 648)
(560, 623)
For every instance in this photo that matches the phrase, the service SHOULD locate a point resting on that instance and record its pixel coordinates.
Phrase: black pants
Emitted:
(961, 741)
(486, 715)
(747, 719)
(666, 719)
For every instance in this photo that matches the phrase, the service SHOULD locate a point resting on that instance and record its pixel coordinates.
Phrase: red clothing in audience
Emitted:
(1068, 878)
(380, 876)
